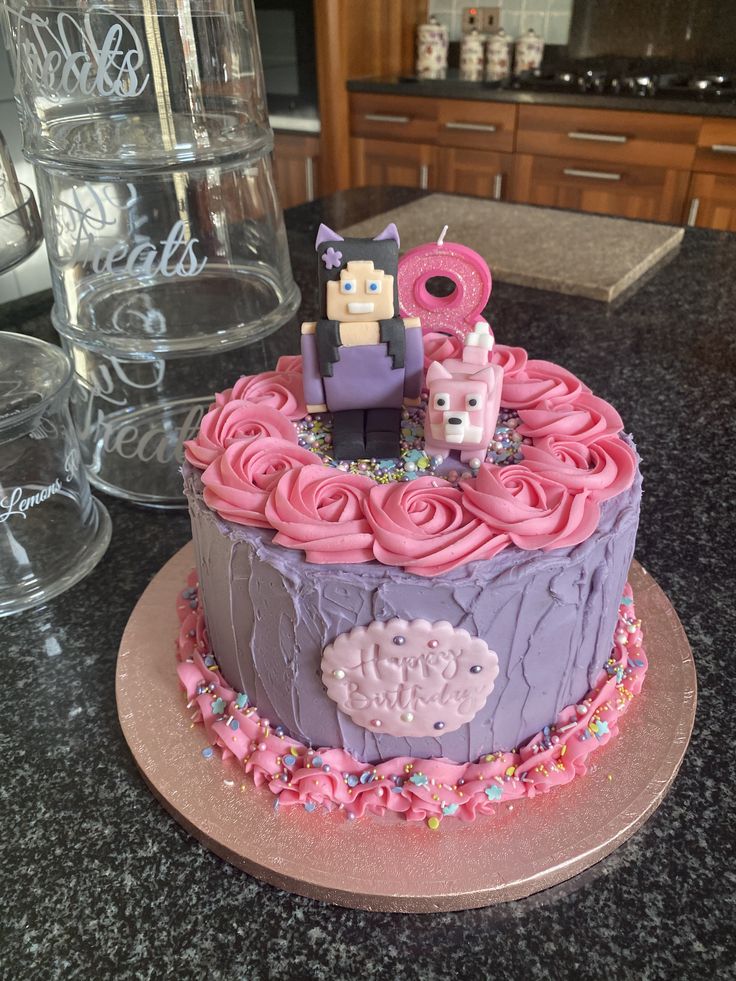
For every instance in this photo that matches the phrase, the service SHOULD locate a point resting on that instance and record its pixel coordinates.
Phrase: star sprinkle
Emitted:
(494, 792)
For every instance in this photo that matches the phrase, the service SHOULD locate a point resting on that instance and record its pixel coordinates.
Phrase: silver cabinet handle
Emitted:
(693, 212)
(309, 178)
(379, 117)
(473, 127)
(723, 148)
(598, 137)
(598, 175)
(497, 187)
(423, 177)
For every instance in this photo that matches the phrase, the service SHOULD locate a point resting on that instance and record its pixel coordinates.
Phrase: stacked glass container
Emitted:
(147, 126)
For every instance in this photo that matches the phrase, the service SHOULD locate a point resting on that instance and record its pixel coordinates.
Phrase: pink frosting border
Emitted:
(419, 790)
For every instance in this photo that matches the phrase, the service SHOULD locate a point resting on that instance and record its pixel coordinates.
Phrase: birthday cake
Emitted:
(412, 550)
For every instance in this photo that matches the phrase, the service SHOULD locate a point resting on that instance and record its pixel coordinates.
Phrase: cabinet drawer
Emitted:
(653, 139)
(476, 125)
(392, 117)
(649, 193)
(716, 152)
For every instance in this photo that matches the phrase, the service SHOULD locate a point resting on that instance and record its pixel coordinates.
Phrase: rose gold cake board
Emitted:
(387, 863)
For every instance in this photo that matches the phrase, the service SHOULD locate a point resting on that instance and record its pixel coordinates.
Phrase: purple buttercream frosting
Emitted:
(549, 616)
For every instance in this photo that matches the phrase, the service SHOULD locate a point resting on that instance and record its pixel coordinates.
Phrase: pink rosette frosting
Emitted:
(423, 526)
(281, 390)
(440, 347)
(605, 467)
(540, 381)
(290, 363)
(235, 421)
(512, 359)
(532, 508)
(585, 419)
(321, 512)
(238, 483)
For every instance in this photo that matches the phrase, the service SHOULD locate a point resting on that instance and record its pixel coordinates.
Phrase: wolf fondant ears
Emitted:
(437, 370)
(325, 234)
(389, 232)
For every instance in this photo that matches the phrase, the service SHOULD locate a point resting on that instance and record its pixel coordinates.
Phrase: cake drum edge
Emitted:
(407, 868)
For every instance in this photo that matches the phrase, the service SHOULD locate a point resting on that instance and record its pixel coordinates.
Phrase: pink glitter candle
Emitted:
(457, 313)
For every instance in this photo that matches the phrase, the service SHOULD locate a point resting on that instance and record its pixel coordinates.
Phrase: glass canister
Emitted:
(137, 82)
(147, 124)
(133, 415)
(52, 531)
(168, 260)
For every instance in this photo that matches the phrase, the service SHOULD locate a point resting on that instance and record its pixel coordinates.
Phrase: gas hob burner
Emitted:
(635, 79)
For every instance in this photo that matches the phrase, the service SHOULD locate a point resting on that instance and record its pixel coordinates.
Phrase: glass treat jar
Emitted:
(167, 261)
(133, 415)
(139, 83)
(52, 531)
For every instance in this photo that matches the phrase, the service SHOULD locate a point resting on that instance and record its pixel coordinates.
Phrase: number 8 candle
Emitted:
(457, 313)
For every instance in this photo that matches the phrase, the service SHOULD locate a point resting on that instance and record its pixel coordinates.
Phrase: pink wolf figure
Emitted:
(464, 399)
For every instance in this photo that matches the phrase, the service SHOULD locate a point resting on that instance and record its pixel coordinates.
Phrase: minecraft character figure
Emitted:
(464, 400)
(361, 360)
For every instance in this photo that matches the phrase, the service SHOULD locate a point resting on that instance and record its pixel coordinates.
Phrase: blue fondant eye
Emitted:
(373, 285)
(347, 285)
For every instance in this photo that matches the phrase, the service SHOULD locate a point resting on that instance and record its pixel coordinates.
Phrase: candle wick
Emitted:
(441, 239)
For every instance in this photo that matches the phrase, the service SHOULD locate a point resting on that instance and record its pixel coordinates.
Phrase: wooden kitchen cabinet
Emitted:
(476, 125)
(392, 162)
(717, 147)
(712, 199)
(296, 167)
(652, 166)
(712, 202)
(479, 173)
(394, 117)
(652, 139)
(648, 193)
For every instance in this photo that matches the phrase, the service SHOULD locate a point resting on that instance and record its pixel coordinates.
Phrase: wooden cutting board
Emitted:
(564, 251)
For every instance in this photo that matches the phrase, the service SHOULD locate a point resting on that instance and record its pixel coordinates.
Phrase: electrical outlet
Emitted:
(490, 20)
(483, 19)
(472, 19)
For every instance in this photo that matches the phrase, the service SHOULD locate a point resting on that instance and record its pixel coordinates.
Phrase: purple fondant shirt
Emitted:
(364, 378)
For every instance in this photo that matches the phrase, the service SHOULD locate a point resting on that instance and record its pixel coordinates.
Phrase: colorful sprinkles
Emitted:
(314, 433)
(421, 790)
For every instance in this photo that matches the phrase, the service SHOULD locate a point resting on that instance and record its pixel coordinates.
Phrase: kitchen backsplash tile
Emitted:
(550, 18)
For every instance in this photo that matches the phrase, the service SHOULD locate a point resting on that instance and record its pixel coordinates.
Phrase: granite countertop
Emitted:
(453, 87)
(98, 881)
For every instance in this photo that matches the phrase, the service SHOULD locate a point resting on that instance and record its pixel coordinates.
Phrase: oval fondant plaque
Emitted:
(409, 678)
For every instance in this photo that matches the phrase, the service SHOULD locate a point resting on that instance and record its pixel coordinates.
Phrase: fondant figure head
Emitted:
(458, 407)
(375, 255)
(362, 293)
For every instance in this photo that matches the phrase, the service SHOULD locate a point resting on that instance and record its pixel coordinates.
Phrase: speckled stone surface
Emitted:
(565, 251)
(453, 87)
(99, 882)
